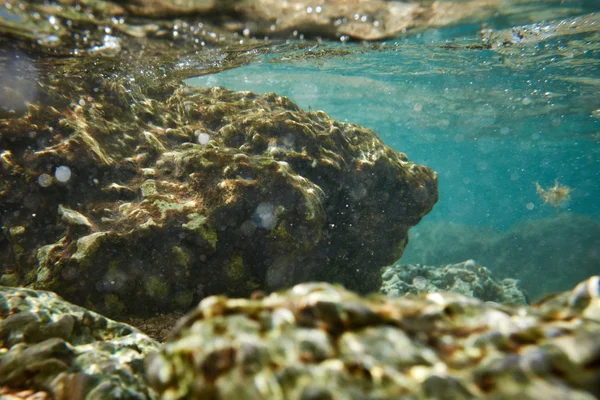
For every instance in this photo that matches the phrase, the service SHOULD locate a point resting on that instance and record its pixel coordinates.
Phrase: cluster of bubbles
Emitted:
(62, 174)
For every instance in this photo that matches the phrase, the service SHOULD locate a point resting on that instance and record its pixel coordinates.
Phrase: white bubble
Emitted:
(110, 48)
(530, 206)
(202, 137)
(62, 173)
(419, 282)
(17, 82)
(44, 180)
(526, 101)
(264, 216)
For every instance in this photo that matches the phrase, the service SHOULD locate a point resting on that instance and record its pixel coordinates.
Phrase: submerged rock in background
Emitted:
(67, 351)
(545, 255)
(321, 341)
(467, 278)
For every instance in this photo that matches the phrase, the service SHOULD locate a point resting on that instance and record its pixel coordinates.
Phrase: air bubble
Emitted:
(44, 180)
(419, 282)
(62, 174)
(265, 216)
(202, 137)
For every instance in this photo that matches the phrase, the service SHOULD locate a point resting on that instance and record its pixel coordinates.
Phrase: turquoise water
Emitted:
(490, 121)
(489, 128)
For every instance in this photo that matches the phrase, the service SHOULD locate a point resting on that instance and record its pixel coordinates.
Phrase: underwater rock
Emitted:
(126, 191)
(563, 249)
(533, 34)
(467, 278)
(46, 24)
(317, 340)
(217, 192)
(363, 20)
(67, 351)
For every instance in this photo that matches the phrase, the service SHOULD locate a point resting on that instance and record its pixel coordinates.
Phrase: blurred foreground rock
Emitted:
(67, 351)
(315, 340)
(321, 341)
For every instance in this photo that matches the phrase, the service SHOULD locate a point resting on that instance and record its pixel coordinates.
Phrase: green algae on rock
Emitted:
(322, 341)
(272, 195)
(174, 193)
(70, 352)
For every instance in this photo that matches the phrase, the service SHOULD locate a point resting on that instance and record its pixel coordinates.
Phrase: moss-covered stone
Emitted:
(321, 341)
(180, 256)
(11, 279)
(114, 305)
(235, 268)
(156, 288)
(87, 246)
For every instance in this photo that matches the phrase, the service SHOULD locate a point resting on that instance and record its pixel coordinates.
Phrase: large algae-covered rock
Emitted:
(209, 191)
(67, 351)
(126, 191)
(318, 341)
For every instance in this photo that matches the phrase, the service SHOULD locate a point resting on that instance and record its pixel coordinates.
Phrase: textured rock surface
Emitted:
(321, 341)
(337, 19)
(210, 191)
(365, 20)
(467, 278)
(67, 351)
(127, 192)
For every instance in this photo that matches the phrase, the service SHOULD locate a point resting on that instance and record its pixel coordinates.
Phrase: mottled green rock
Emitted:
(318, 341)
(9, 280)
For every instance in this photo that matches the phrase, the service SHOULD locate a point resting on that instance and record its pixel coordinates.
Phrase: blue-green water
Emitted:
(490, 120)
(488, 123)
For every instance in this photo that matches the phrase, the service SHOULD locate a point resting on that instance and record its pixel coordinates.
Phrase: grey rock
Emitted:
(467, 278)
(69, 352)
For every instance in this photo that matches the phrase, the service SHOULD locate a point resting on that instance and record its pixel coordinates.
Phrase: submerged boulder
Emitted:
(126, 191)
(209, 191)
